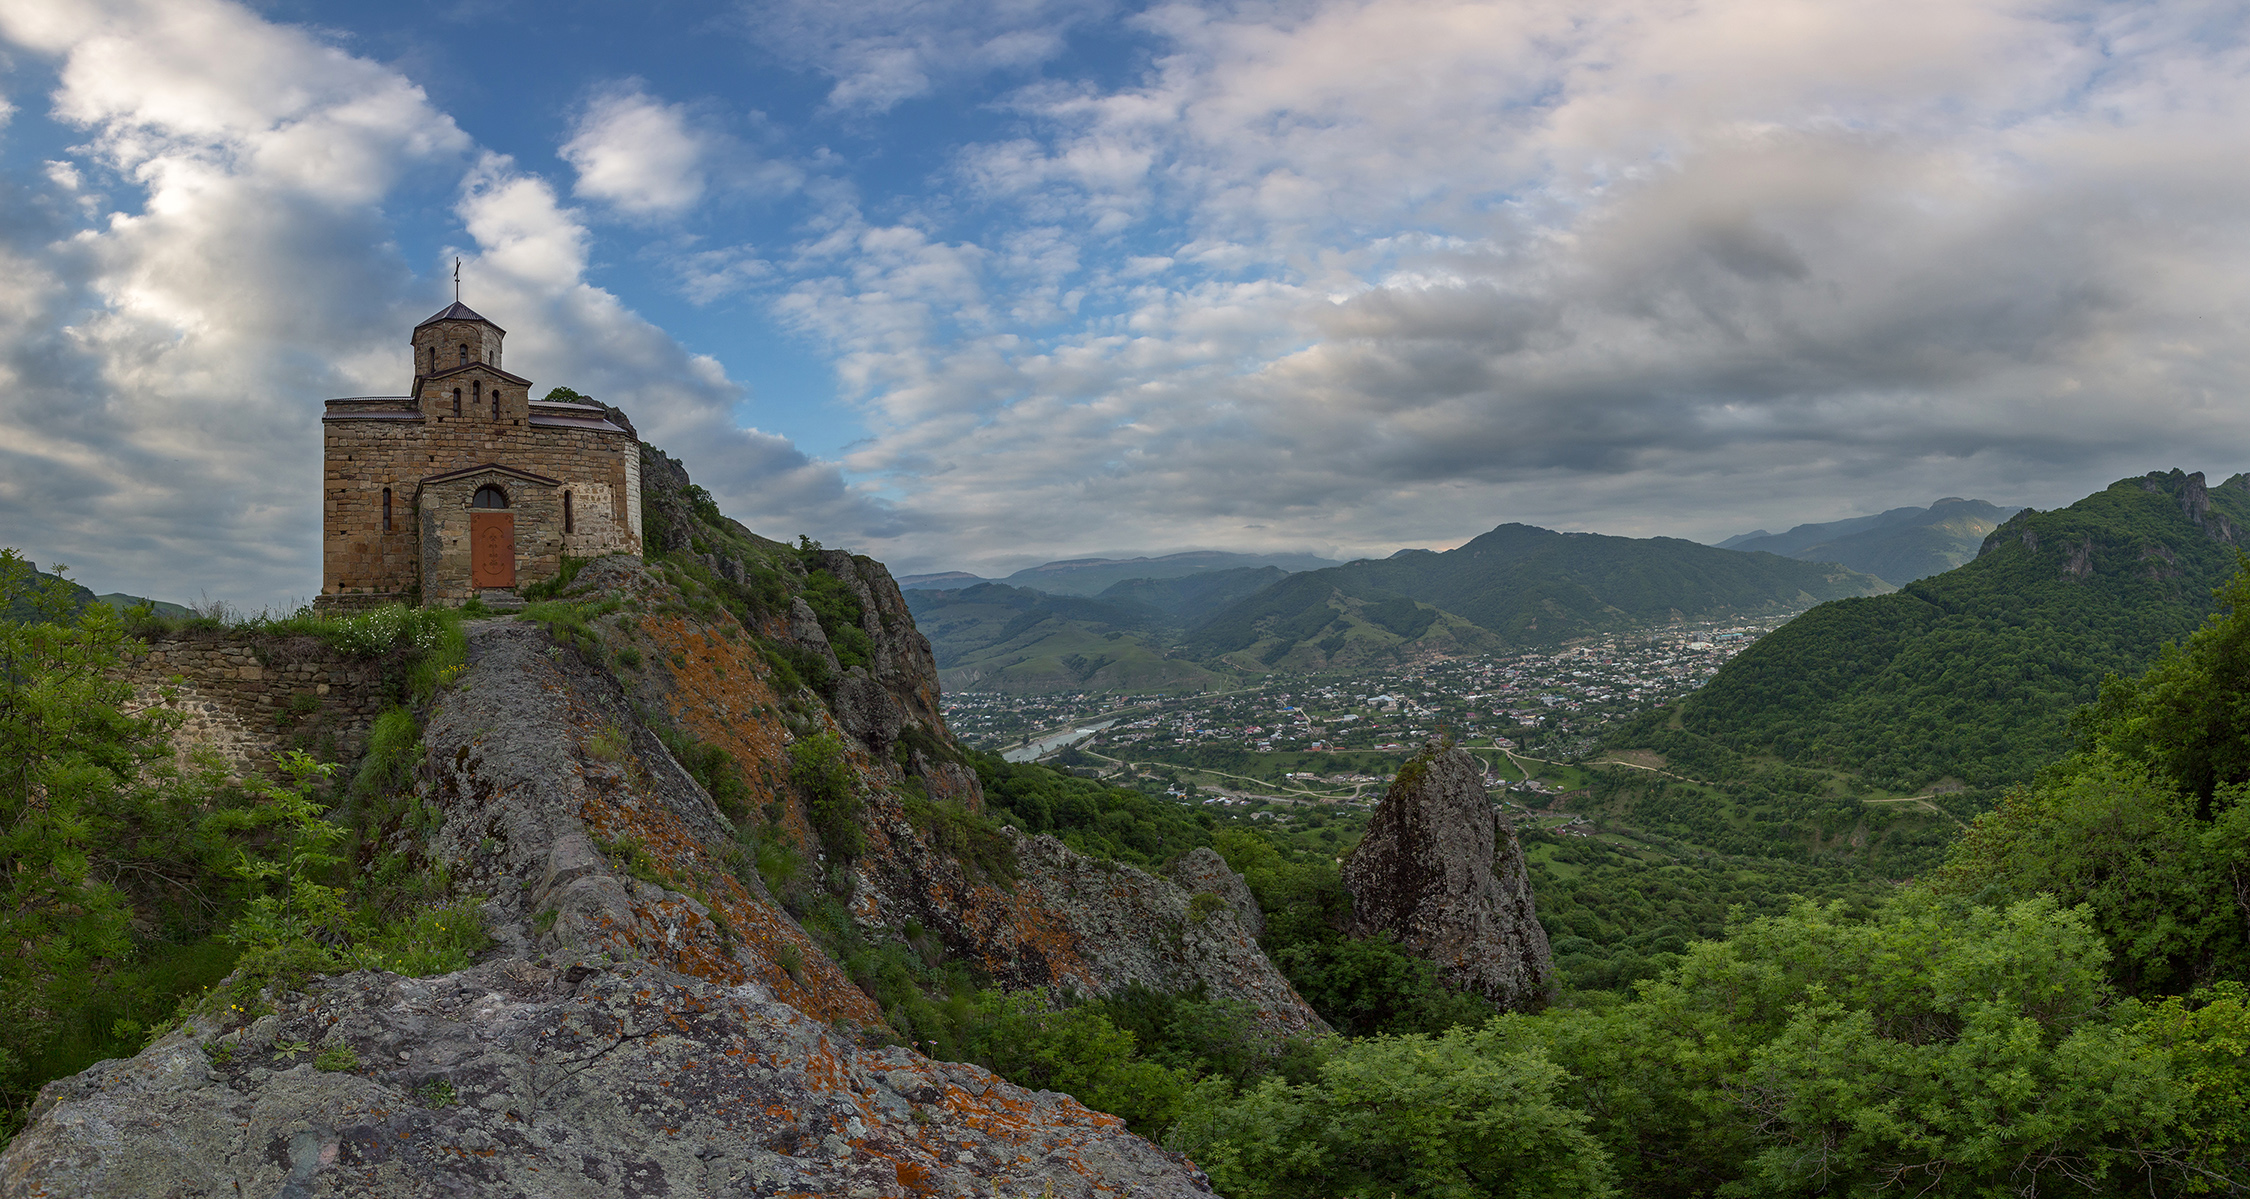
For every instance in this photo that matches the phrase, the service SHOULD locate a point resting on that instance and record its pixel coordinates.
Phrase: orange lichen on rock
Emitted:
(692, 942)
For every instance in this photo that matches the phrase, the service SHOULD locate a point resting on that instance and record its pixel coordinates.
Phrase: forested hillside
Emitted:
(992, 637)
(1530, 586)
(1972, 674)
(1091, 576)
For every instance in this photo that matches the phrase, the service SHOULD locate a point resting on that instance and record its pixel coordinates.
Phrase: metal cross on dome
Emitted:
(456, 280)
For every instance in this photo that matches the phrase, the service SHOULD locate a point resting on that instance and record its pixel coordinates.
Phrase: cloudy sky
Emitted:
(979, 283)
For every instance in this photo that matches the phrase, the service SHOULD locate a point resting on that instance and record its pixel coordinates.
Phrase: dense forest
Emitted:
(1972, 674)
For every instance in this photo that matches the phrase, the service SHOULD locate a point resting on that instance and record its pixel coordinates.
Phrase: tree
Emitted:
(2188, 716)
(1467, 1115)
(67, 749)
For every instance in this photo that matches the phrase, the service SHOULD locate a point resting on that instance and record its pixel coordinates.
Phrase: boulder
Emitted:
(1203, 872)
(1440, 868)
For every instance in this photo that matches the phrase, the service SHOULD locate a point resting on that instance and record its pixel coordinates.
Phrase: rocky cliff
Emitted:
(642, 783)
(1440, 868)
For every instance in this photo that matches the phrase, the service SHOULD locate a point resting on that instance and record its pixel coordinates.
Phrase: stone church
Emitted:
(467, 485)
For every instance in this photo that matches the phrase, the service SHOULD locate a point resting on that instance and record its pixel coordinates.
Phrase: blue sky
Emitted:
(977, 285)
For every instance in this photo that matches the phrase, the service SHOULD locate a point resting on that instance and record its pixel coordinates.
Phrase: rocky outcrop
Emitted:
(1081, 926)
(519, 1078)
(652, 1023)
(1204, 872)
(1440, 868)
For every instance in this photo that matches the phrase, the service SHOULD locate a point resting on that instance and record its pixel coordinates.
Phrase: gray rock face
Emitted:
(1074, 925)
(1440, 867)
(1203, 872)
(620, 1041)
(515, 1079)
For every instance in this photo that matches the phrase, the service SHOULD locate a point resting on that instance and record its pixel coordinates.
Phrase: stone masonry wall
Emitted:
(446, 339)
(446, 548)
(365, 455)
(251, 696)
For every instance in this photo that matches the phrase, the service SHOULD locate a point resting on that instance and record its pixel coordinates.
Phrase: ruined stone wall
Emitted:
(251, 696)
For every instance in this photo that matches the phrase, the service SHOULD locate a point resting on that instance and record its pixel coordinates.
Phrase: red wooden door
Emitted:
(492, 549)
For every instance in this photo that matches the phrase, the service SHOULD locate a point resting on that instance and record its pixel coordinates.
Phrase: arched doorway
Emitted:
(492, 539)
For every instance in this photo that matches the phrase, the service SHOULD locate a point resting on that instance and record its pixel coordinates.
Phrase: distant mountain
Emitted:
(993, 637)
(942, 581)
(1973, 673)
(1204, 626)
(1519, 585)
(121, 601)
(1898, 546)
(1092, 576)
(1189, 599)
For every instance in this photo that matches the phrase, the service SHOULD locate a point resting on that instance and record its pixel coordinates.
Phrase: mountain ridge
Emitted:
(1523, 585)
(1899, 545)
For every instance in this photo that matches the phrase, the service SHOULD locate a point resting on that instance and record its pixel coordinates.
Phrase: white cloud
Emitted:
(1383, 272)
(637, 154)
(883, 52)
(528, 263)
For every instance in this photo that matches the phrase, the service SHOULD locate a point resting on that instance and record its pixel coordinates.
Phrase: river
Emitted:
(1048, 744)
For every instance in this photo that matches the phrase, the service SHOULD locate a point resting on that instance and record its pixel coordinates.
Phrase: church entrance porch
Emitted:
(486, 530)
(493, 561)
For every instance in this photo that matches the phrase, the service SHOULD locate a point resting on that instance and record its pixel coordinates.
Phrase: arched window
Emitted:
(386, 509)
(570, 524)
(496, 403)
(489, 496)
(464, 353)
(456, 400)
(476, 391)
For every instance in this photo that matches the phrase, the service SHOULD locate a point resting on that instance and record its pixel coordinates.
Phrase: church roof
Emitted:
(459, 312)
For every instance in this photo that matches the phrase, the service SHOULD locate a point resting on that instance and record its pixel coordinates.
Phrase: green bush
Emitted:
(840, 612)
(549, 588)
(822, 772)
(394, 749)
(973, 840)
(712, 767)
(1080, 1052)
(1462, 1116)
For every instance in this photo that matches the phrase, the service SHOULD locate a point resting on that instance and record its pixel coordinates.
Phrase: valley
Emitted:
(1632, 855)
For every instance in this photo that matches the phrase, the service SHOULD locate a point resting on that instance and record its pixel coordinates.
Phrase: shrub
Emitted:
(822, 772)
(1464, 1115)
